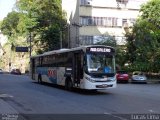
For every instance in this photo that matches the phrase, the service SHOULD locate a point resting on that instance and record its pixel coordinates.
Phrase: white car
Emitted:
(138, 76)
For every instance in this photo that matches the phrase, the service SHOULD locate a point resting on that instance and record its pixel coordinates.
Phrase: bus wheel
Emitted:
(39, 79)
(68, 84)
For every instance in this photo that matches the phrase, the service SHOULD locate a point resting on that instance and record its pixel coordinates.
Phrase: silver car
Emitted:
(138, 76)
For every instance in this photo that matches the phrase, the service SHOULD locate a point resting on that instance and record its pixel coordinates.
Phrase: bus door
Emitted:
(78, 68)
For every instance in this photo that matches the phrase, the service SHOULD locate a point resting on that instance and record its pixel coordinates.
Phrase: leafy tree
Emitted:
(9, 27)
(144, 41)
(45, 20)
(9, 24)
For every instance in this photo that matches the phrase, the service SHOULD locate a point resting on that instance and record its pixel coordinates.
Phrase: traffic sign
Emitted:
(21, 49)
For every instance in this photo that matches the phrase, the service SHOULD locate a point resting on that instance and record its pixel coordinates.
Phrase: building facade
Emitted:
(94, 21)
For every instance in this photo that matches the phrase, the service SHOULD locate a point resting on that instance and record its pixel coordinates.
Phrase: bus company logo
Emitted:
(52, 73)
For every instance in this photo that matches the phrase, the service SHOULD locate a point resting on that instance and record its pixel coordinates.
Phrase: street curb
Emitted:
(153, 81)
(150, 81)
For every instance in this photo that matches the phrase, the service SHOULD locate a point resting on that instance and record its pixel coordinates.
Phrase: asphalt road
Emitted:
(21, 95)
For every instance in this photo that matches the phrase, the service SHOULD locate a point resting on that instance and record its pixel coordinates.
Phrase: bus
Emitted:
(86, 67)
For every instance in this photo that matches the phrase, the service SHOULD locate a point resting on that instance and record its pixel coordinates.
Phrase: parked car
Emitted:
(138, 76)
(122, 76)
(16, 72)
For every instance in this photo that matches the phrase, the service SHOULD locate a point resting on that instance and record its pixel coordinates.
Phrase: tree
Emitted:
(144, 41)
(45, 20)
(9, 24)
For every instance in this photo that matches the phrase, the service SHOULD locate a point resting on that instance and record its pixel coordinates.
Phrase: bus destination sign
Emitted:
(100, 50)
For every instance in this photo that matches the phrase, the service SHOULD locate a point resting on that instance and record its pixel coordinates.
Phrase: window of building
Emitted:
(99, 21)
(91, 40)
(114, 21)
(85, 2)
(122, 1)
(90, 21)
(82, 2)
(132, 20)
(124, 22)
(109, 21)
(84, 21)
(86, 40)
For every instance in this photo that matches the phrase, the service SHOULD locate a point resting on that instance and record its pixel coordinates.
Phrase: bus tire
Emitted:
(39, 79)
(68, 84)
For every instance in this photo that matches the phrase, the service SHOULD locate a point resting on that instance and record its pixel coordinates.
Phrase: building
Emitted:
(93, 21)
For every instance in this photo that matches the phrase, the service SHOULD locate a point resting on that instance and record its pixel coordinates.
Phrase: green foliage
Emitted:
(143, 42)
(121, 56)
(151, 12)
(9, 24)
(45, 20)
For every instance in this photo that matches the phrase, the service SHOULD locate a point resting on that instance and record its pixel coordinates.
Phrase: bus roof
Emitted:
(68, 50)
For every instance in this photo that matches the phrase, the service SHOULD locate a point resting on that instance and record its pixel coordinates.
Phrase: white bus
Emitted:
(87, 67)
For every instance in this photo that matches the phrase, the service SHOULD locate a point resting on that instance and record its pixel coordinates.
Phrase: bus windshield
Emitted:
(100, 63)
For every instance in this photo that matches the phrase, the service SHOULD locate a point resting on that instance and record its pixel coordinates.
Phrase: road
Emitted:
(21, 95)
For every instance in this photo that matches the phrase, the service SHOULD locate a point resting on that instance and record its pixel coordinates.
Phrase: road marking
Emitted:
(5, 95)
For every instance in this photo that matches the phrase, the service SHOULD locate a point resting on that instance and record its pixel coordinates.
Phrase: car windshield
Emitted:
(121, 72)
(100, 63)
(135, 73)
(138, 73)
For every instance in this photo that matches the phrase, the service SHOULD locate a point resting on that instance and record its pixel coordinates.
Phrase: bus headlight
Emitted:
(90, 79)
(112, 79)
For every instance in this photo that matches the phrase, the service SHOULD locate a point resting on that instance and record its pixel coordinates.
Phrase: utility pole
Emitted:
(30, 44)
(68, 35)
(60, 39)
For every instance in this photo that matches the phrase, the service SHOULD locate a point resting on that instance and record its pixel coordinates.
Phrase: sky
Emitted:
(6, 7)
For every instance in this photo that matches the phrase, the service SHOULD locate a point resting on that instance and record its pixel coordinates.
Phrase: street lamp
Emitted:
(60, 39)
(30, 44)
(29, 40)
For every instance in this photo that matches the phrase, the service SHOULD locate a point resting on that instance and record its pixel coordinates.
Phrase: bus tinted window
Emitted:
(99, 63)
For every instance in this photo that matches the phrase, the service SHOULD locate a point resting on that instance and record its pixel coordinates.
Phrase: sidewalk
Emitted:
(153, 81)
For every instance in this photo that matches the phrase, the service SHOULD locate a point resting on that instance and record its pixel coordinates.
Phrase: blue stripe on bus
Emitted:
(44, 71)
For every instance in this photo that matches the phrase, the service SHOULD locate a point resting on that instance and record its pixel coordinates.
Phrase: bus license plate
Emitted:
(103, 86)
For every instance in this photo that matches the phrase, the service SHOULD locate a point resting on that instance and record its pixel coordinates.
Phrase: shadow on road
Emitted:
(76, 90)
